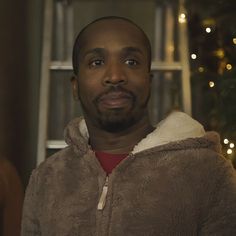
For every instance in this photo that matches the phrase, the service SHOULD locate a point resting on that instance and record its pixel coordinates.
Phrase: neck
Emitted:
(121, 142)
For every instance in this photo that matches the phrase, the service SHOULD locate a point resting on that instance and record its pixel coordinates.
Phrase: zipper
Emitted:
(102, 200)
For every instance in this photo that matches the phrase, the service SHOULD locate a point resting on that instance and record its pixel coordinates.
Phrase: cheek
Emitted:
(142, 87)
(85, 94)
(88, 91)
(90, 80)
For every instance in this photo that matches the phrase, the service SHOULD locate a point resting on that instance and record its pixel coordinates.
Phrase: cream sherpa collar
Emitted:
(177, 126)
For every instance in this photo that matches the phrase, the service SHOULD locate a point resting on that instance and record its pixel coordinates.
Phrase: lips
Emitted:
(115, 99)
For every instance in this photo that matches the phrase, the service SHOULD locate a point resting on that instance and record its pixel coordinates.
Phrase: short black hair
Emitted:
(77, 44)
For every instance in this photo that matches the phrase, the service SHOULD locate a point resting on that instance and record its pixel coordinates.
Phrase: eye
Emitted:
(131, 62)
(96, 63)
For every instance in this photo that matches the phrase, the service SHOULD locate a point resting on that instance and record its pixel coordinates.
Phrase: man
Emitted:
(119, 176)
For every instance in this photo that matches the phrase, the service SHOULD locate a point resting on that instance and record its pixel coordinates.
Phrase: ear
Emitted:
(75, 87)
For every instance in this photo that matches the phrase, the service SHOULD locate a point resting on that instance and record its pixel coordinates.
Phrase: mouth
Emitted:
(115, 99)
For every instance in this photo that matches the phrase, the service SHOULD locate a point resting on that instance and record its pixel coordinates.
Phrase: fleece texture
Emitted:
(174, 183)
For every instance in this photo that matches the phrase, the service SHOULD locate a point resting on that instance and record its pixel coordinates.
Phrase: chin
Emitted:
(115, 123)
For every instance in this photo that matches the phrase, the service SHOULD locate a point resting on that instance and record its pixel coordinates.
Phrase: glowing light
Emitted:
(171, 48)
(201, 69)
(231, 145)
(182, 18)
(211, 84)
(193, 56)
(226, 141)
(229, 67)
(220, 53)
(229, 151)
(208, 30)
(234, 40)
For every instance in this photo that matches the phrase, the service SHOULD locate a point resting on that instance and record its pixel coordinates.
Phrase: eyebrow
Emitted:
(102, 51)
(128, 50)
(98, 51)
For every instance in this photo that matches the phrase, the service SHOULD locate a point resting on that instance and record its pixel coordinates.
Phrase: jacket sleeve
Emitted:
(30, 222)
(220, 216)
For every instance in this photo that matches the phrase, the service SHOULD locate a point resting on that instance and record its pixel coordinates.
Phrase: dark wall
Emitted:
(18, 108)
(13, 81)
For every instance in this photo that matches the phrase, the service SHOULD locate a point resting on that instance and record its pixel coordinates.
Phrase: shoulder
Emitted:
(59, 161)
(45, 177)
(199, 158)
(204, 161)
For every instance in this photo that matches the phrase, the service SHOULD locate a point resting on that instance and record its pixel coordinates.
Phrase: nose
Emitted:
(115, 75)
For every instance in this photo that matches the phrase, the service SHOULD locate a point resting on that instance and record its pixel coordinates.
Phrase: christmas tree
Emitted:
(212, 42)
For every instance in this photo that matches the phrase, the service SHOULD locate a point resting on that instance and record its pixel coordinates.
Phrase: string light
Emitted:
(229, 67)
(193, 56)
(182, 18)
(171, 48)
(208, 30)
(219, 53)
(226, 141)
(201, 69)
(231, 145)
(211, 84)
(229, 151)
(234, 40)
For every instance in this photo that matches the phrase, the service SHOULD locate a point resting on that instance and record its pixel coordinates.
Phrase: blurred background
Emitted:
(194, 67)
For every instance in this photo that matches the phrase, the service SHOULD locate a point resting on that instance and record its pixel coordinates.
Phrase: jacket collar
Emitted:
(176, 127)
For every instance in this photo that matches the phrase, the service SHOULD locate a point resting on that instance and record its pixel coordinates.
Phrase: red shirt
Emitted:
(109, 161)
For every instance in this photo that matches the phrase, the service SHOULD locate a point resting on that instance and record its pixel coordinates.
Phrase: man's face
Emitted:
(114, 76)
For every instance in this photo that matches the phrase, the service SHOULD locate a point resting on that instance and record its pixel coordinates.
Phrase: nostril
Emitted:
(116, 81)
(122, 81)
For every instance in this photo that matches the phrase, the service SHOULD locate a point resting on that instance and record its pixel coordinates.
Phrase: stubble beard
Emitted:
(117, 120)
(113, 120)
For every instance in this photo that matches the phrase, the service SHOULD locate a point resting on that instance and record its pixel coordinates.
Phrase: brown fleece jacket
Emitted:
(174, 183)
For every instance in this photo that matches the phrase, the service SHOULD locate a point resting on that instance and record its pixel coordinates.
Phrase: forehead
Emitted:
(112, 33)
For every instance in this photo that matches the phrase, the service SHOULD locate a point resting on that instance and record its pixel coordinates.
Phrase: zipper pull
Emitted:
(102, 200)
